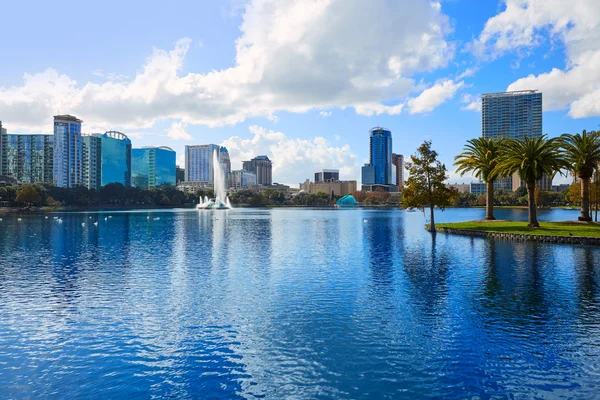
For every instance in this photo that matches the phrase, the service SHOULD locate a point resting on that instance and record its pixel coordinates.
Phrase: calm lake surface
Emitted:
(292, 303)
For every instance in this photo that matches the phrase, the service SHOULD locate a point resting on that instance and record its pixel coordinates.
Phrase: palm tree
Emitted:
(480, 156)
(582, 153)
(531, 158)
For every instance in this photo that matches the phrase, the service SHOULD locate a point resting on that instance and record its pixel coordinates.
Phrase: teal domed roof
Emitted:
(347, 200)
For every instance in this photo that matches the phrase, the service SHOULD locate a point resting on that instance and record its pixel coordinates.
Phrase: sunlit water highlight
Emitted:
(291, 303)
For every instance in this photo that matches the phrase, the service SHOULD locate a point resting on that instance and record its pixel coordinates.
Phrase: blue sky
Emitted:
(300, 81)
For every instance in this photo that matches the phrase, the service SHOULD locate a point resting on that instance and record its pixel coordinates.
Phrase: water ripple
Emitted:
(291, 304)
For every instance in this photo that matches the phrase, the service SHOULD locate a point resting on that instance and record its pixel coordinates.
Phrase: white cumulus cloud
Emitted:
(472, 103)
(294, 160)
(434, 96)
(177, 132)
(290, 56)
(325, 114)
(524, 24)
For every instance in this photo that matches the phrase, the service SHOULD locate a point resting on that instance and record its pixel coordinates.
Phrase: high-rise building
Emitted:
(514, 115)
(379, 172)
(153, 166)
(241, 179)
(262, 167)
(225, 160)
(28, 158)
(199, 163)
(116, 158)
(92, 162)
(398, 162)
(179, 174)
(327, 175)
(68, 151)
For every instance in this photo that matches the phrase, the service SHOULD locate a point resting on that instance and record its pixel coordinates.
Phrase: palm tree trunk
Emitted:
(533, 222)
(432, 223)
(585, 200)
(489, 202)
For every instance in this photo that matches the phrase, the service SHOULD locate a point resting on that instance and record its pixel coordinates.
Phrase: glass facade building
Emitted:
(92, 162)
(199, 162)
(179, 174)
(28, 158)
(262, 167)
(241, 179)
(153, 166)
(116, 158)
(327, 175)
(68, 151)
(514, 115)
(379, 171)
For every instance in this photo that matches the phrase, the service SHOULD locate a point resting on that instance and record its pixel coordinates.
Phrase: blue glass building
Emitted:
(28, 158)
(68, 151)
(240, 179)
(92, 161)
(514, 115)
(199, 162)
(153, 166)
(116, 158)
(379, 170)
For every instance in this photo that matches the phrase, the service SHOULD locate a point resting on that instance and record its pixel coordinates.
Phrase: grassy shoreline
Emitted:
(558, 229)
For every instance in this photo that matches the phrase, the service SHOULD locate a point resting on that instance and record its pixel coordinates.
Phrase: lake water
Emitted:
(292, 303)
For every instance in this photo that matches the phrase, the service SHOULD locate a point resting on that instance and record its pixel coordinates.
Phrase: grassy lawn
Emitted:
(567, 228)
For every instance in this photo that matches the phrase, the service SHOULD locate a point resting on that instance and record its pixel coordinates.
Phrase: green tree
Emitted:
(574, 193)
(480, 156)
(164, 201)
(531, 158)
(425, 184)
(28, 195)
(521, 191)
(582, 154)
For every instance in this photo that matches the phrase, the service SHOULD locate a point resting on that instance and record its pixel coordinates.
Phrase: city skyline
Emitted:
(160, 93)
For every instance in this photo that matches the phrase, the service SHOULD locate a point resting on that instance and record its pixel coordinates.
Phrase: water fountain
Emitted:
(221, 201)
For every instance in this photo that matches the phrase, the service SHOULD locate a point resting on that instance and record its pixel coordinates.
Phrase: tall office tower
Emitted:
(28, 158)
(3, 139)
(225, 164)
(179, 174)
(116, 158)
(225, 160)
(199, 163)
(153, 166)
(514, 115)
(262, 167)
(92, 162)
(241, 179)
(378, 173)
(327, 175)
(398, 162)
(68, 151)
